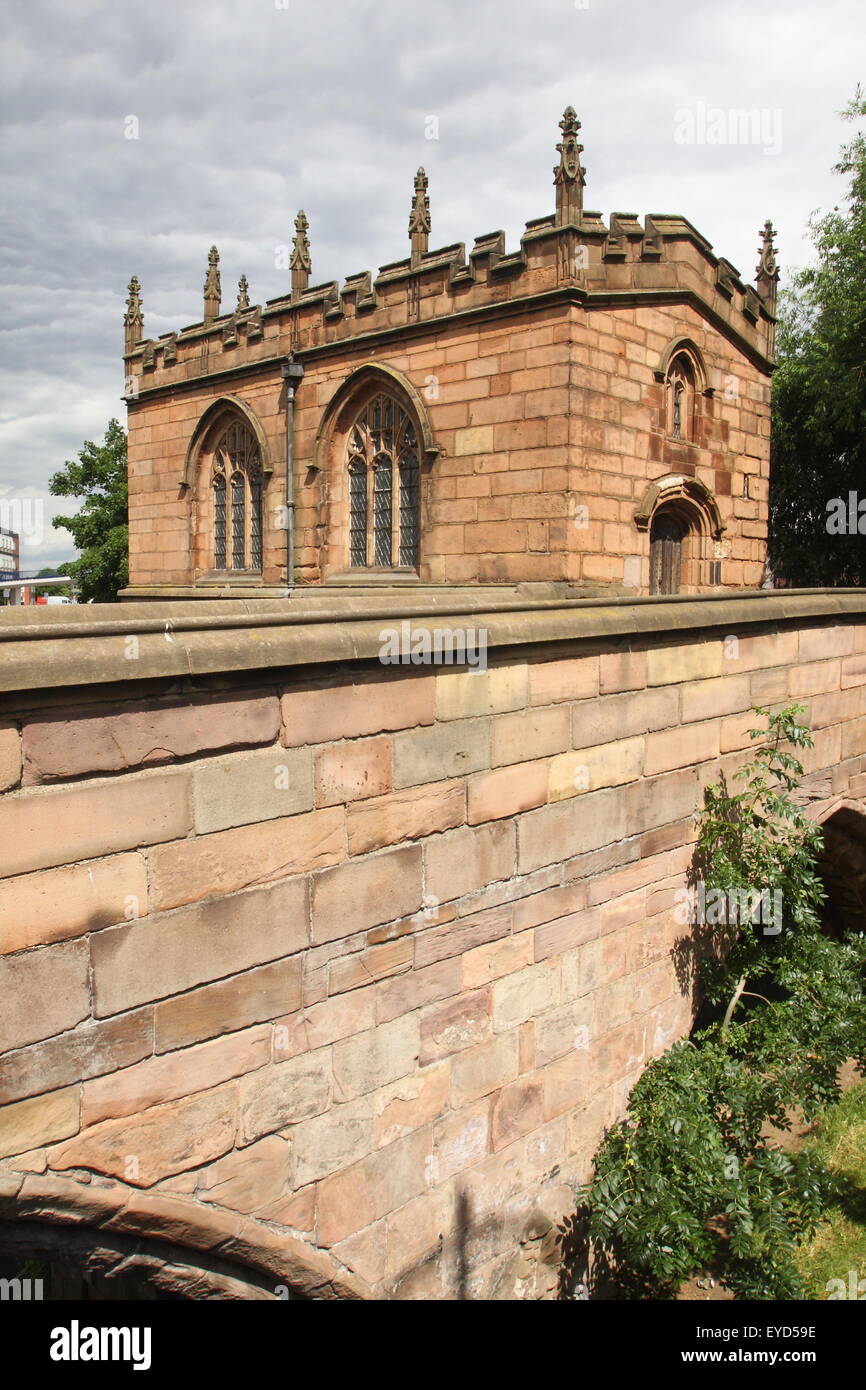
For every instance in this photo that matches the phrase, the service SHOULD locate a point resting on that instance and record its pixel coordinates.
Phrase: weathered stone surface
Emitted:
(459, 1140)
(249, 1178)
(230, 860)
(372, 1060)
(457, 1024)
(163, 955)
(174, 1075)
(590, 769)
(254, 996)
(39, 829)
(366, 893)
(517, 1110)
(448, 750)
(332, 1141)
(405, 815)
(43, 992)
(525, 995)
(411, 1103)
(532, 733)
(483, 1069)
(39, 908)
(320, 714)
(464, 694)
(90, 1049)
(242, 788)
(82, 741)
(352, 771)
(505, 791)
(168, 1139)
(462, 860)
(41, 1120)
(285, 1094)
(381, 1183)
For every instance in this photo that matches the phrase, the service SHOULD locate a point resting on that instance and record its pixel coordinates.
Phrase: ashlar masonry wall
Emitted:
(355, 960)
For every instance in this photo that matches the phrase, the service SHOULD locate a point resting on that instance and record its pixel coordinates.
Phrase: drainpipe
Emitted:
(292, 372)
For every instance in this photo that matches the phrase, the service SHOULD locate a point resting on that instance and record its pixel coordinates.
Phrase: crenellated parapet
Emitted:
(571, 254)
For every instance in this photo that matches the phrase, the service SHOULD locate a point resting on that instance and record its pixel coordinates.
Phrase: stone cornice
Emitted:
(99, 644)
(362, 343)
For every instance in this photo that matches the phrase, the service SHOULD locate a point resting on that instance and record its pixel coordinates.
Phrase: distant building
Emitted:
(10, 550)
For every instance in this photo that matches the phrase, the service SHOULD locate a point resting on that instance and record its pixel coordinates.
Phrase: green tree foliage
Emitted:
(99, 529)
(690, 1177)
(819, 393)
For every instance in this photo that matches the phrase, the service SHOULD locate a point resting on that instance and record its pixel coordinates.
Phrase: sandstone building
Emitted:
(591, 409)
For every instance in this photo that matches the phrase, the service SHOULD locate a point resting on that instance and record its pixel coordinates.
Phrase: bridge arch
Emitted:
(168, 1246)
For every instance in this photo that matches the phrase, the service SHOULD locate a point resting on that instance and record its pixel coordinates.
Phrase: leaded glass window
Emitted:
(383, 456)
(237, 500)
(219, 521)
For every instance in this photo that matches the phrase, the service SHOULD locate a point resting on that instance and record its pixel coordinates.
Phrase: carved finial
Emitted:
(767, 267)
(243, 295)
(569, 175)
(300, 262)
(212, 292)
(419, 218)
(133, 319)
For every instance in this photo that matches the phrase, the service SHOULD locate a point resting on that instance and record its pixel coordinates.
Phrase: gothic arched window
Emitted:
(237, 500)
(384, 491)
(680, 398)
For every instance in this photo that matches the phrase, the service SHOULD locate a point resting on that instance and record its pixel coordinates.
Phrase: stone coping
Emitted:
(92, 644)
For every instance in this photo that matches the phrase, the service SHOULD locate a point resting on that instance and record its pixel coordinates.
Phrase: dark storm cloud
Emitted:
(248, 110)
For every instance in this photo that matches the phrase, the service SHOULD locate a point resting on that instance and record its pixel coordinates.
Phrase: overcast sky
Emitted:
(246, 110)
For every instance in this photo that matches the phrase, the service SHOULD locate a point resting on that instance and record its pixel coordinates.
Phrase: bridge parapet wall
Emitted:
(368, 954)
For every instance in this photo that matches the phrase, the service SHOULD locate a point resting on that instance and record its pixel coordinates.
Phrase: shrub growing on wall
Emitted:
(690, 1178)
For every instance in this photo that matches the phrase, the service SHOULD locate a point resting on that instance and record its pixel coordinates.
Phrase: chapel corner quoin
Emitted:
(351, 962)
(495, 417)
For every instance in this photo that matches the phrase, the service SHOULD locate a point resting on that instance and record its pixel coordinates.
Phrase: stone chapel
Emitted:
(591, 412)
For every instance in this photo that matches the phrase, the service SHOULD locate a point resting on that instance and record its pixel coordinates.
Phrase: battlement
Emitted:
(570, 254)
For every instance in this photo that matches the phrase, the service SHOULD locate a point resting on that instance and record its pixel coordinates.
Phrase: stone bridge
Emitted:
(321, 977)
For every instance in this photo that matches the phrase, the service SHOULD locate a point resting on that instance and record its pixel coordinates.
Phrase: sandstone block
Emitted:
(247, 787)
(44, 992)
(506, 791)
(517, 1110)
(165, 1140)
(42, 1120)
(365, 893)
(284, 1094)
(254, 1177)
(461, 861)
(448, 750)
(484, 1068)
(524, 995)
(353, 771)
(225, 862)
(683, 747)
(405, 815)
(332, 1141)
(255, 996)
(467, 694)
(37, 909)
(575, 678)
(165, 955)
(453, 1026)
(590, 769)
(40, 829)
(374, 1059)
(411, 1103)
(146, 731)
(369, 705)
(381, 1183)
(533, 733)
(10, 755)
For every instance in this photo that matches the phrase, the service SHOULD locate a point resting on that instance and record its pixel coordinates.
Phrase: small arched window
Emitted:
(384, 492)
(680, 398)
(237, 500)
